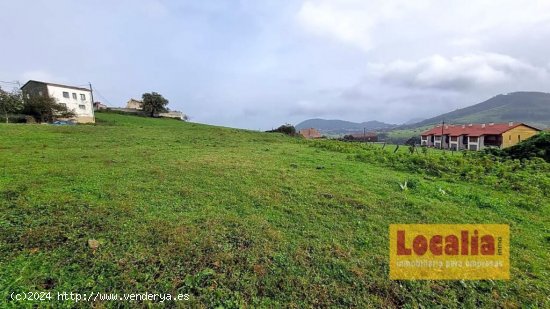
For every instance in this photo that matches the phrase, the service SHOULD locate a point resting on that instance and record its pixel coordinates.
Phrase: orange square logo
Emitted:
(449, 251)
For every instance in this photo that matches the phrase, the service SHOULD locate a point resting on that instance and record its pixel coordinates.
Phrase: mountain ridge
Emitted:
(523, 106)
(529, 107)
(337, 126)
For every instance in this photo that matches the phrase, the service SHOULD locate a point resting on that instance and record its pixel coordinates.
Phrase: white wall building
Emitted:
(76, 99)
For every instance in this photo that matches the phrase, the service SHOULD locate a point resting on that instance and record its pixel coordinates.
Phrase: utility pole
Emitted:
(442, 127)
(92, 97)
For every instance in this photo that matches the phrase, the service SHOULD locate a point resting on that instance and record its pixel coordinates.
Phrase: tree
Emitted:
(45, 109)
(10, 103)
(415, 140)
(287, 129)
(154, 103)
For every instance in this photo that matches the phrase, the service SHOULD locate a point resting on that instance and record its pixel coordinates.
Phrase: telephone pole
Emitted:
(92, 98)
(442, 127)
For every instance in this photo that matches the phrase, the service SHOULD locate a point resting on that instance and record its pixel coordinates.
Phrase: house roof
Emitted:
(57, 85)
(474, 129)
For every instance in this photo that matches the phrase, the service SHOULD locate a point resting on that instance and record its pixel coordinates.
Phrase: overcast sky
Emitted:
(260, 63)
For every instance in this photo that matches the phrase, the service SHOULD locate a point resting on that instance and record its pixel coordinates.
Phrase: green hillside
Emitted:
(238, 218)
(527, 107)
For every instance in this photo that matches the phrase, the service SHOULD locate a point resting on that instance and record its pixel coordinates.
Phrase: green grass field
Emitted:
(402, 135)
(243, 219)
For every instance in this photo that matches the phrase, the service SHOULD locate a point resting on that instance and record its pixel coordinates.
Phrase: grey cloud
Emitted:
(458, 73)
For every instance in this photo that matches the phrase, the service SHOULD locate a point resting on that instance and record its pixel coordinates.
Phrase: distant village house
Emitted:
(134, 104)
(310, 133)
(76, 99)
(99, 106)
(137, 105)
(477, 136)
(362, 137)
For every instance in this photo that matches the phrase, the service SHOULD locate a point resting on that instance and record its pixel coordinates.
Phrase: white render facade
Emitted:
(76, 99)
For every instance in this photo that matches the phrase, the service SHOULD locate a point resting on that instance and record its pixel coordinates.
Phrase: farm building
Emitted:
(362, 136)
(134, 104)
(99, 106)
(310, 133)
(477, 136)
(76, 99)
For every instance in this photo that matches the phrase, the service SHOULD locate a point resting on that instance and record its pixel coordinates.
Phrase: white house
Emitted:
(77, 99)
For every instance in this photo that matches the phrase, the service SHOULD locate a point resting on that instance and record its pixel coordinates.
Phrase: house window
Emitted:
(454, 138)
(65, 94)
(82, 106)
(519, 138)
(509, 137)
(82, 97)
(74, 96)
(473, 139)
(63, 104)
(473, 147)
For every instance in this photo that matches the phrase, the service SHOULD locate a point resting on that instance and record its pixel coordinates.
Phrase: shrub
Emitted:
(537, 146)
(530, 176)
(287, 129)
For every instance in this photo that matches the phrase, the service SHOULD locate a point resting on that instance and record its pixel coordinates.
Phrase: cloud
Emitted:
(458, 72)
(153, 9)
(255, 64)
(342, 24)
(349, 21)
(370, 24)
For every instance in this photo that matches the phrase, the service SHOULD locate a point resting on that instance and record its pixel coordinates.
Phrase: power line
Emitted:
(12, 82)
(102, 96)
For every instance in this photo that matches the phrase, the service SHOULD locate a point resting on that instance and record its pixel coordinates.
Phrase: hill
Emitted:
(528, 107)
(236, 218)
(341, 126)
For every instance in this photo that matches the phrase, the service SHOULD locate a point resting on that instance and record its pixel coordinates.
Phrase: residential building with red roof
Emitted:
(477, 136)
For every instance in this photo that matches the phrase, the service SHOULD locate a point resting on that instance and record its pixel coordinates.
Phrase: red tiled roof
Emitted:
(473, 129)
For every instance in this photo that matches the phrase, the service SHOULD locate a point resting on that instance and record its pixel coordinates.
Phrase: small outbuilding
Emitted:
(310, 133)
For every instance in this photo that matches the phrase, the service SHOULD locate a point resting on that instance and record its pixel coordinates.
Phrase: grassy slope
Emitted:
(528, 107)
(403, 135)
(505, 114)
(233, 217)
